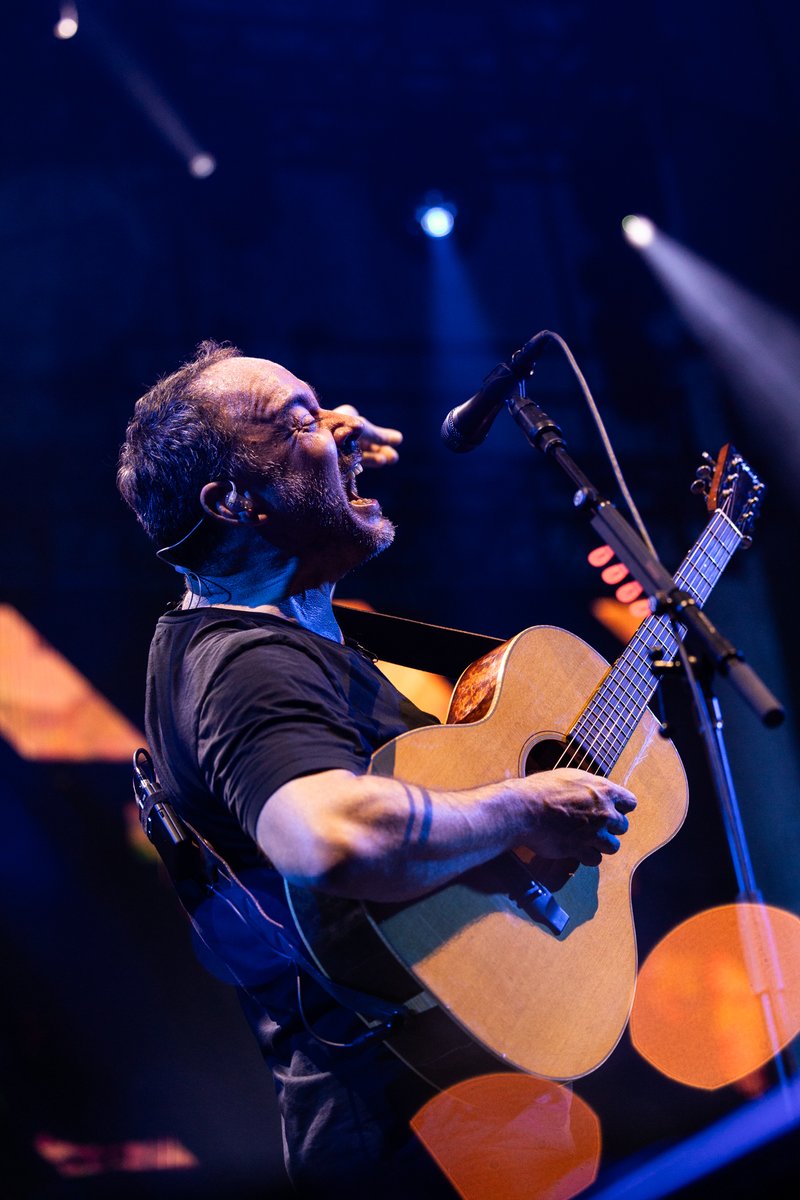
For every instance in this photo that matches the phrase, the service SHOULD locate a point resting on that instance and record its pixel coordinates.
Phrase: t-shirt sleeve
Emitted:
(270, 714)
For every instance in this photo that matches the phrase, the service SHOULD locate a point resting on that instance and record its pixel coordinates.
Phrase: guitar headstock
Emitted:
(730, 485)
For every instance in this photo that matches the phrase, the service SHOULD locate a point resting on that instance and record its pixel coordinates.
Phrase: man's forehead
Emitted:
(259, 385)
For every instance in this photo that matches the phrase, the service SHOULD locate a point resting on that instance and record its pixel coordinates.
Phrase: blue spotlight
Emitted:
(67, 24)
(201, 165)
(437, 220)
(640, 231)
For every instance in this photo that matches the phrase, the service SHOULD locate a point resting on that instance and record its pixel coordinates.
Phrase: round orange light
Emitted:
(720, 995)
(511, 1137)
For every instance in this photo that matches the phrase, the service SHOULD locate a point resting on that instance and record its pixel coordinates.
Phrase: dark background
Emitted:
(545, 123)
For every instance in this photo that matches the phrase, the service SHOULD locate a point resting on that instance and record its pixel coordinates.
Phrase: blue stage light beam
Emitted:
(755, 346)
(755, 349)
(459, 330)
(148, 97)
(752, 1126)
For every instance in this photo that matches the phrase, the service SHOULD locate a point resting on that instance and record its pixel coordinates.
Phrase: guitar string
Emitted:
(619, 719)
(625, 671)
(668, 641)
(624, 719)
(593, 723)
(615, 697)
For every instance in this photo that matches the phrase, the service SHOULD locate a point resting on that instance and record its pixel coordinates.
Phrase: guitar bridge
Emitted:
(539, 903)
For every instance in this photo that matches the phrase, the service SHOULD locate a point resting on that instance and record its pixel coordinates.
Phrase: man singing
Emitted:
(261, 719)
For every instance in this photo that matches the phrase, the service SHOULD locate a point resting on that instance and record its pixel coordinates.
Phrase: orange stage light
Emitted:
(48, 710)
(600, 556)
(626, 593)
(511, 1137)
(620, 619)
(77, 1159)
(640, 610)
(614, 573)
(720, 995)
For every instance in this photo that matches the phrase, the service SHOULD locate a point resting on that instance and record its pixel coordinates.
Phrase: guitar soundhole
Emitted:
(558, 752)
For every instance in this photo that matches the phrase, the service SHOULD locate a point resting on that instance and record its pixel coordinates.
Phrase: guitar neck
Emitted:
(606, 724)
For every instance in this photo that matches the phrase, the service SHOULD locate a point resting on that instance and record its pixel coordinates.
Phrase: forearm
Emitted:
(373, 838)
(403, 840)
(369, 837)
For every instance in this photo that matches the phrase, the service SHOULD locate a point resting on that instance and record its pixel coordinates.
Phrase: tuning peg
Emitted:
(702, 479)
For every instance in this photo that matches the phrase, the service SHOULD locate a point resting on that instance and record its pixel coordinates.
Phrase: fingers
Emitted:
(375, 455)
(578, 814)
(382, 434)
(603, 842)
(377, 442)
(625, 801)
(617, 824)
(607, 841)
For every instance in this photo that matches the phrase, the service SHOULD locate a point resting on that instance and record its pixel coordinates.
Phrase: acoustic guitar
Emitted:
(525, 963)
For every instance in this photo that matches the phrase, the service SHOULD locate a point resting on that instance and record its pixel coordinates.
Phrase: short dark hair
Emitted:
(178, 439)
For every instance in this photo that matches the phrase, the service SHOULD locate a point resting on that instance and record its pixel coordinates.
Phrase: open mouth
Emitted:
(351, 488)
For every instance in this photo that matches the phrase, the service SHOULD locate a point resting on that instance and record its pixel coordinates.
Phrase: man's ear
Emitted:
(223, 501)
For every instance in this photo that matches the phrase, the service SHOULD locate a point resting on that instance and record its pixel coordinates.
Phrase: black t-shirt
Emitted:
(239, 703)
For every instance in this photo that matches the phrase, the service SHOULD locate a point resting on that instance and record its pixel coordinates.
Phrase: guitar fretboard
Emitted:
(607, 723)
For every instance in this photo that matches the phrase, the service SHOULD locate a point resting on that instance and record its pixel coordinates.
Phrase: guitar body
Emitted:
(499, 986)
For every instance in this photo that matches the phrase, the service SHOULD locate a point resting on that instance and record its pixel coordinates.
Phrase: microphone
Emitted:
(466, 426)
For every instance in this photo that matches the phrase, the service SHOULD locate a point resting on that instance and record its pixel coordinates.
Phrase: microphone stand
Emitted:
(718, 656)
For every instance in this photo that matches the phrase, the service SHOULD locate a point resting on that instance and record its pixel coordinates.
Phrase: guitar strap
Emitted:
(199, 874)
(436, 648)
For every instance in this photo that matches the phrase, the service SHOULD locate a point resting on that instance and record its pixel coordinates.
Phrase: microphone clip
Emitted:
(539, 428)
(522, 360)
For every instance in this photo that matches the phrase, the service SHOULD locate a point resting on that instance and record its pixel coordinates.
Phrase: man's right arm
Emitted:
(372, 838)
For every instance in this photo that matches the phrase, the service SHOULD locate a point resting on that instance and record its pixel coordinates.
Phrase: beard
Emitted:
(324, 530)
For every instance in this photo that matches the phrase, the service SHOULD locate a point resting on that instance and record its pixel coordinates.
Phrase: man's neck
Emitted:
(311, 609)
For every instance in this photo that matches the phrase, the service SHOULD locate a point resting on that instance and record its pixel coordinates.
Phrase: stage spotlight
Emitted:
(437, 220)
(202, 165)
(754, 345)
(67, 24)
(638, 230)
